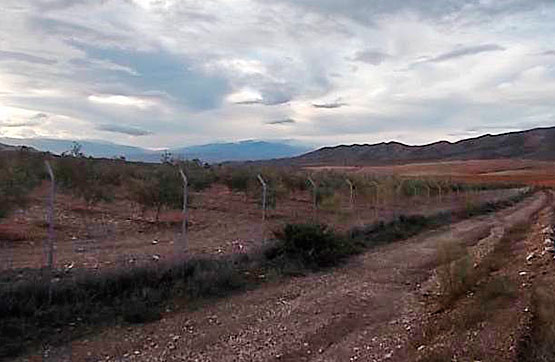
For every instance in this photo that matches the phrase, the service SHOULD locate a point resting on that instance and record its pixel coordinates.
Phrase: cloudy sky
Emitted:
(157, 73)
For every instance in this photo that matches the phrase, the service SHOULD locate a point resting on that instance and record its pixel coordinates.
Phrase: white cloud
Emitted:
(120, 100)
(245, 96)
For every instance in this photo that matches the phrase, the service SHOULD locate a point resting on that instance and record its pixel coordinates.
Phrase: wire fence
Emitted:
(60, 228)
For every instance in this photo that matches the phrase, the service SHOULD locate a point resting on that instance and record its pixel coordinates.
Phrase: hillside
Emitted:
(535, 144)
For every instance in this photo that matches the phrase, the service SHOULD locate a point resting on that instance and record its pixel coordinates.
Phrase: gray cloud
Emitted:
(371, 57)
(10, 124)
(127, 130)
(265, 102)
(47, 5)
(7, 55)
(269, 98)
(282, 121)
(40, 116)
(368, 11)
(35, 120)
(332, 105)
(465, 51)
(250, 102)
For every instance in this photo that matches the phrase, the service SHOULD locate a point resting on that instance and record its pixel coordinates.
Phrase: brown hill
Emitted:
(535, 144)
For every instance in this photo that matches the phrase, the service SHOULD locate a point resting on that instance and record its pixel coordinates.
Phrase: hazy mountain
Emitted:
(215, 152)
(536, 144)
(240, 151)
(89, 148)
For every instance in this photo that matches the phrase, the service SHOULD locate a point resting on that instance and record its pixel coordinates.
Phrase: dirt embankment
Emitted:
(374, 308)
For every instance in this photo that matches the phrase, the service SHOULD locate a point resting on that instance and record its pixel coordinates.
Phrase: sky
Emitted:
(168, 73)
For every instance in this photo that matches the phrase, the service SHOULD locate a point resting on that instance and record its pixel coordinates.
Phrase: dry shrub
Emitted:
(499, 287)
(12, 232)
(20, 232)
(540, 344)
(491, 297)
(435, 355)
(171, 217)
(455, 271)
(331, 203)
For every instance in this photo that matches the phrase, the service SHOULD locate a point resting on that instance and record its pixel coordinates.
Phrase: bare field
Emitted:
(503, 170)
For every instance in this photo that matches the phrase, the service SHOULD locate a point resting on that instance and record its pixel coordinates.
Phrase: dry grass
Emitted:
(455, 274)
(539, 345)
(12, 232)
(491, 288)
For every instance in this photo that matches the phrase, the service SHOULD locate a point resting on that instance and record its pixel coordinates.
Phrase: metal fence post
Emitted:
(50, 217)
(264, 190)
(313, 192)
(351, 187)
(184, 221)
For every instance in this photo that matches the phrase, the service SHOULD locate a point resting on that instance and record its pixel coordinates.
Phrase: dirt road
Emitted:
(368, 310)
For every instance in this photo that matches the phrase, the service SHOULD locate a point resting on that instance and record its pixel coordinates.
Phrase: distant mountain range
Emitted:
(536, 144)
(214, 152)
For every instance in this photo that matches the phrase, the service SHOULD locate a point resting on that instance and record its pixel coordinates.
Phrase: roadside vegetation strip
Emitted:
(538, 344)
(36, 306)
(407, 226)
(474, 295)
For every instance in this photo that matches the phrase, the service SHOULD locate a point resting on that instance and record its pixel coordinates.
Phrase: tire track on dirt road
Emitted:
(363, 311)
(407, 263)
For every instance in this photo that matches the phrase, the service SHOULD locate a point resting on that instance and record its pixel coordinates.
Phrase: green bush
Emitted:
(199, 176)
(324, 193)
(293, 181)
(143, 306)
(212, 278)
(314, 244)
(401, 228)
(240, 179)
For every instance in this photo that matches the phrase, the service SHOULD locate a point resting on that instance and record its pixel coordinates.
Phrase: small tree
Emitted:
(75, 150)
(200, 176)
(88, 179)
(166, 157)
(158, 189)
(20, 172)
(14, 185)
